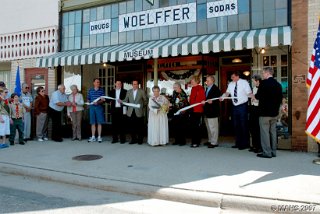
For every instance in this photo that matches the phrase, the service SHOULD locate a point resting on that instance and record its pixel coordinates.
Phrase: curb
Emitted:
(224, 201)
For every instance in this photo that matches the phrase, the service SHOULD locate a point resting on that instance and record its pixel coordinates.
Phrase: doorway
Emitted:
(36, 77)
(226, 125)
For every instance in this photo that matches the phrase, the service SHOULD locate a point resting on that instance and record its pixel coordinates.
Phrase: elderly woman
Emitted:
(41, 107)
(197, 96)
(158, 133)
(179, 100)
(75, 111)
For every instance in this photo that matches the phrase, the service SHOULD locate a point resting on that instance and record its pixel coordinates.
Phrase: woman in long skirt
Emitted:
(158, 133)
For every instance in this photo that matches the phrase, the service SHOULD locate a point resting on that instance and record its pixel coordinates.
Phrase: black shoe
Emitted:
(114, 141)
(234, 147)
(123, 142)
(11, 143)
(194, 145)
(273, 155)
(251, 149)
(140, 142)
(21, 143)
(58, 140)
(263, 156)
(257, 150)
(212, 146)
(182, 144)
(73, 139)
(25, 140)
(132, 142)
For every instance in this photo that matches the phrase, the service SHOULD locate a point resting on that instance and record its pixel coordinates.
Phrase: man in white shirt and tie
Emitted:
(240, 90)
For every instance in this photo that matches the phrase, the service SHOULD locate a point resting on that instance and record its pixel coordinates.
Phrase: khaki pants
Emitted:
(212, 129)
(76, 118)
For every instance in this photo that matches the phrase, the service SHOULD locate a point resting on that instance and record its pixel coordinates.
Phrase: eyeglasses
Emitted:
(6, 92)
(42, 91)
(26, 87)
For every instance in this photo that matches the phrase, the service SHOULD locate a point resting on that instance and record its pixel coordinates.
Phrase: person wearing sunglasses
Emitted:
(41, 107)
(27, 101)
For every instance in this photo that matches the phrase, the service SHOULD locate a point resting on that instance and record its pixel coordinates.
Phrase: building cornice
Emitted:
(69, 5)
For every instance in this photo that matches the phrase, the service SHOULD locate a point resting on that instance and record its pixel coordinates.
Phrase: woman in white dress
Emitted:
(158, 133)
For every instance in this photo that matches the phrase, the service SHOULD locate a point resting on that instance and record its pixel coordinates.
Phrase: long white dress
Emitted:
(158, 132)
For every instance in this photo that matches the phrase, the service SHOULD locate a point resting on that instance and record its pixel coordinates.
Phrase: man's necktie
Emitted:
(17, 111)
(235, 93)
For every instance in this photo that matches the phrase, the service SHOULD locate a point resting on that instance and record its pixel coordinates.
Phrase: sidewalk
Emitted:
(220, 177)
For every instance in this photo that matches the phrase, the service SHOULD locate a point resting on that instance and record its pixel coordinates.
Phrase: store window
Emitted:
(107, 79)
(180, 69)
(72, 76)
(71, 30)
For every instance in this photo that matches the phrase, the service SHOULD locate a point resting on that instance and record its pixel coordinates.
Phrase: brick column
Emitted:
(300, 67)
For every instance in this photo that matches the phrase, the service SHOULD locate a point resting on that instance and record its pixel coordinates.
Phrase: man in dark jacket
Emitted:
(118, 112)
(212, 112)
(270, 96)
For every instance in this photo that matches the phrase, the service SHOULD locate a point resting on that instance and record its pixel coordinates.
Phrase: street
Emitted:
(27, 195)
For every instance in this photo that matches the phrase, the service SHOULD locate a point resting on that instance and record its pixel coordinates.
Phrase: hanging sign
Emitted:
(222, 8)
(173, 15)
(100, 26)
(136, 54)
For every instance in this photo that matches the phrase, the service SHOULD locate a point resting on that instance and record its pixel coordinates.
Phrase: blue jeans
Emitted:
(240, 122)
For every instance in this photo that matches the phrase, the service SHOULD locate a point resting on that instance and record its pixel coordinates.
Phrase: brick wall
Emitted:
(299, 70)
(313, 23)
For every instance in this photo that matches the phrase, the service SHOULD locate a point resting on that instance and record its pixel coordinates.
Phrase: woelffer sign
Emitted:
(179, 14)
(101, 26)
(222, 8)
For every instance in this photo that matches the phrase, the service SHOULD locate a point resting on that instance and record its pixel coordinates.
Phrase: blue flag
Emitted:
(17, 88)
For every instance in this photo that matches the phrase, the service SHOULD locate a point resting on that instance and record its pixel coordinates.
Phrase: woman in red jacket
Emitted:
(197, 96)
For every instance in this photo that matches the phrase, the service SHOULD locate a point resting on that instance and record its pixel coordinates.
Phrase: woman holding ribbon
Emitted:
(197, 96)
(179, 100)
(75, 111)
(158, 133)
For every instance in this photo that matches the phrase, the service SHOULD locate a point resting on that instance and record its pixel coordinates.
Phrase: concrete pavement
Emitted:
(221, 177)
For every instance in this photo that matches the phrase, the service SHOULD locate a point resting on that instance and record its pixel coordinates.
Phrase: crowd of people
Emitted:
(255, 111)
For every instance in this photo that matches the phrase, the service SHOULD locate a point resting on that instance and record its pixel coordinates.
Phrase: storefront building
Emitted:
(21, 42)
(174, 40)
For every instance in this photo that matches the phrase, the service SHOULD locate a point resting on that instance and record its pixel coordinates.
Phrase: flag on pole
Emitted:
(17, 88)
(313, 83)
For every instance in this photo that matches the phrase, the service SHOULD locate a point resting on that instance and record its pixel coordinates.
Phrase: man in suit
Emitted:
(269, 95)
(118, 112)
(212, 112)
(136, 115)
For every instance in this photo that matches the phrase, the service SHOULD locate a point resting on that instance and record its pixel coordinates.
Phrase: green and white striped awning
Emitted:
(172, 47)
